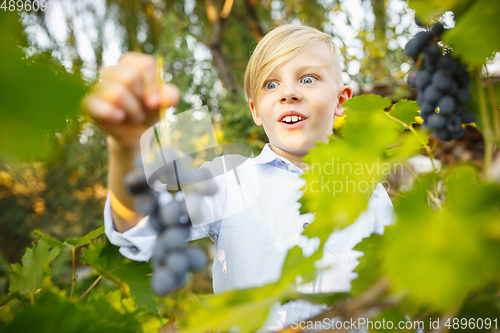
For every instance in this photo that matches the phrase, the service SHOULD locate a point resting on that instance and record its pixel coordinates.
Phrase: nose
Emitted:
(290, 94)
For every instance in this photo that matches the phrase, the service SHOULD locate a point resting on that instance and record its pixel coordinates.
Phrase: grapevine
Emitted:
(443, 85)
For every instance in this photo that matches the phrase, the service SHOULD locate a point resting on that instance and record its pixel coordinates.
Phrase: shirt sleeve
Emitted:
(384, 210)
(138, 242)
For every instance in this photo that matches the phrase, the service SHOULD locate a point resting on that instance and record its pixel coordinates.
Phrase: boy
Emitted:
(294, 87)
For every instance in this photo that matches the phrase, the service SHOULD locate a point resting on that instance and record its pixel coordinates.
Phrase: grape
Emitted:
(463, 95)
(412, 75)
(458, 134)
(454, 89)
(437, 29)
(174, 237)
(197, 258)
(454, 123)
(159, 255)
(135, 181)
(427, 108)
(441, 81)
(431, 94)
(412, 48)
(178, 262)
(155, 223)
(163, 281)
(436, 120)
(170, 213)
(442, 134)
(182, 279)
(145, 203)
(429, 64)
(423, 37)
(467, 117)
(423, 79)
(447, 104)
(433, 51)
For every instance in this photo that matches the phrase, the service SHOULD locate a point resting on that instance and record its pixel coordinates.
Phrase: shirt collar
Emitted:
(268, 156)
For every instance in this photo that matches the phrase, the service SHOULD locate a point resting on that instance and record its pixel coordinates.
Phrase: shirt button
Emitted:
(134, 249)
(305, 225)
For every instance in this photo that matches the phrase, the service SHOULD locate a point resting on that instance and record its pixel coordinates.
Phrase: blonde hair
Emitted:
(282, 44)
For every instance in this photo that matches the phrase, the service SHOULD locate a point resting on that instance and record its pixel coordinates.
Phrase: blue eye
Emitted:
(271, 85)
(308, 79)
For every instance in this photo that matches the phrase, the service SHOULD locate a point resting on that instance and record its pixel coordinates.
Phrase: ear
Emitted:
(345, 94)
(255, 114)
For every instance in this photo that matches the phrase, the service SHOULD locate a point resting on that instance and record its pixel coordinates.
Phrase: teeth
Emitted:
(289, 119)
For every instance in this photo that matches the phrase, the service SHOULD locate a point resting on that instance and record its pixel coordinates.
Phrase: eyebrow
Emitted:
(306, 68)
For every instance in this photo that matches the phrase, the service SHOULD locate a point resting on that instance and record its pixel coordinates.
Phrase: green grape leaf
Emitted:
(475, 36)
(132, 277)
(444, 243)
(52, 313)
(28, 111)
(369, 268)
(407, 145)
(344, 173)
(28, 278)
(406, 111)
(431, 9)
(150, 321)
(246, 309)
(296, 264)
(85, 240)
(51, 241)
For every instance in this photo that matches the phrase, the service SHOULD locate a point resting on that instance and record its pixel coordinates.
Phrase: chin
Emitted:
(299, 148)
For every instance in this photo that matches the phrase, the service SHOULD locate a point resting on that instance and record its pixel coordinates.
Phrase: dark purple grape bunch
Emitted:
(169, 216)
(443, 84)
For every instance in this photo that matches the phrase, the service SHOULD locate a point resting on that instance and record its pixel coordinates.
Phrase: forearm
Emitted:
(121, 161)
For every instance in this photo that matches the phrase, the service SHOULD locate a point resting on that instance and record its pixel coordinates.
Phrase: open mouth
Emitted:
(291, 119)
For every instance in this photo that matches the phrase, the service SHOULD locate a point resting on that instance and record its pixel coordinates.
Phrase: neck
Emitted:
(296, 159)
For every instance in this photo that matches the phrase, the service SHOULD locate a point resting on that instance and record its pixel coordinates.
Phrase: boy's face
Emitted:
(301, 87)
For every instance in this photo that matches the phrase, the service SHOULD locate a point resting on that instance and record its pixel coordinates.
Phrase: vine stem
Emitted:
(494, 107)
(426, 147)
(488, 132)
(32, 299)
(90, 288)
(73, 277)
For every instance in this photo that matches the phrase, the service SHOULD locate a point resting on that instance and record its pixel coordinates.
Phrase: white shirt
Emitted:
(253, 220)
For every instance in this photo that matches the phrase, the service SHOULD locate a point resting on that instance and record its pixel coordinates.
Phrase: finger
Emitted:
(146, 66)
(120, 96)
(129, 76)
(101, 110)
(170, 95)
